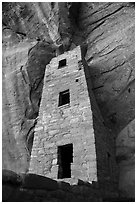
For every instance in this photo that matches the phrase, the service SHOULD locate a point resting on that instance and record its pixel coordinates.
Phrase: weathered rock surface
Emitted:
(11, 177)
(32, 32)
(15, 100)
(109, 29)
(32, 187)
(125, 152)
(24, 62)
(38, 57)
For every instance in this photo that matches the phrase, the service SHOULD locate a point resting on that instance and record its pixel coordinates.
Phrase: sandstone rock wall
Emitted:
(24, 62)
(109, 34)
(15, 100)
(108, 30)
(125, 146)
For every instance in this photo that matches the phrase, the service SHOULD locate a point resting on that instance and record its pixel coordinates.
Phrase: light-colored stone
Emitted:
(80, 126)
(39, 128)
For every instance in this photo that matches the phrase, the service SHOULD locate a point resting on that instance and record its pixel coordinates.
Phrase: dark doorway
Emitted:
(65, 158)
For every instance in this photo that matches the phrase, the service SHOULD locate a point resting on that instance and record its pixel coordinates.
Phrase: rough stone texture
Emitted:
(125, 145)
(23, 71)
(24, 19)
(38, 57)
(109, 30)
(63, 125)
(15, 98)
(36, 188)
(39, 20)
(79, 123)
(27, 48)
(112, 66)
(76, 194)
(24, 62)
(109, 34)
(39, 182)
(11, 177)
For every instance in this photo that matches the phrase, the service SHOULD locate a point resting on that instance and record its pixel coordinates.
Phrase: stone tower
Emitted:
(71, 141)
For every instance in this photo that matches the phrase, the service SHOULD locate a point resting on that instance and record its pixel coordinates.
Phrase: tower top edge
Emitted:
(67, 53)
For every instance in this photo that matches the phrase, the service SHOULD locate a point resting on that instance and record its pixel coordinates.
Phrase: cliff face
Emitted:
(109, 29)
(33, 33)
(125, 154)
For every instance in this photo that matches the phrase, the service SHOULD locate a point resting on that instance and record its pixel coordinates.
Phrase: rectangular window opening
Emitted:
(62, 63)
(64, 98)
(65, 158)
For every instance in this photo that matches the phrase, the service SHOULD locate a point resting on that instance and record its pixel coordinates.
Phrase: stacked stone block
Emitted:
(78, 123)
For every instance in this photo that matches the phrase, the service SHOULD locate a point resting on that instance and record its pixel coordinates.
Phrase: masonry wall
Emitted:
(79, 123)
(71, 123)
